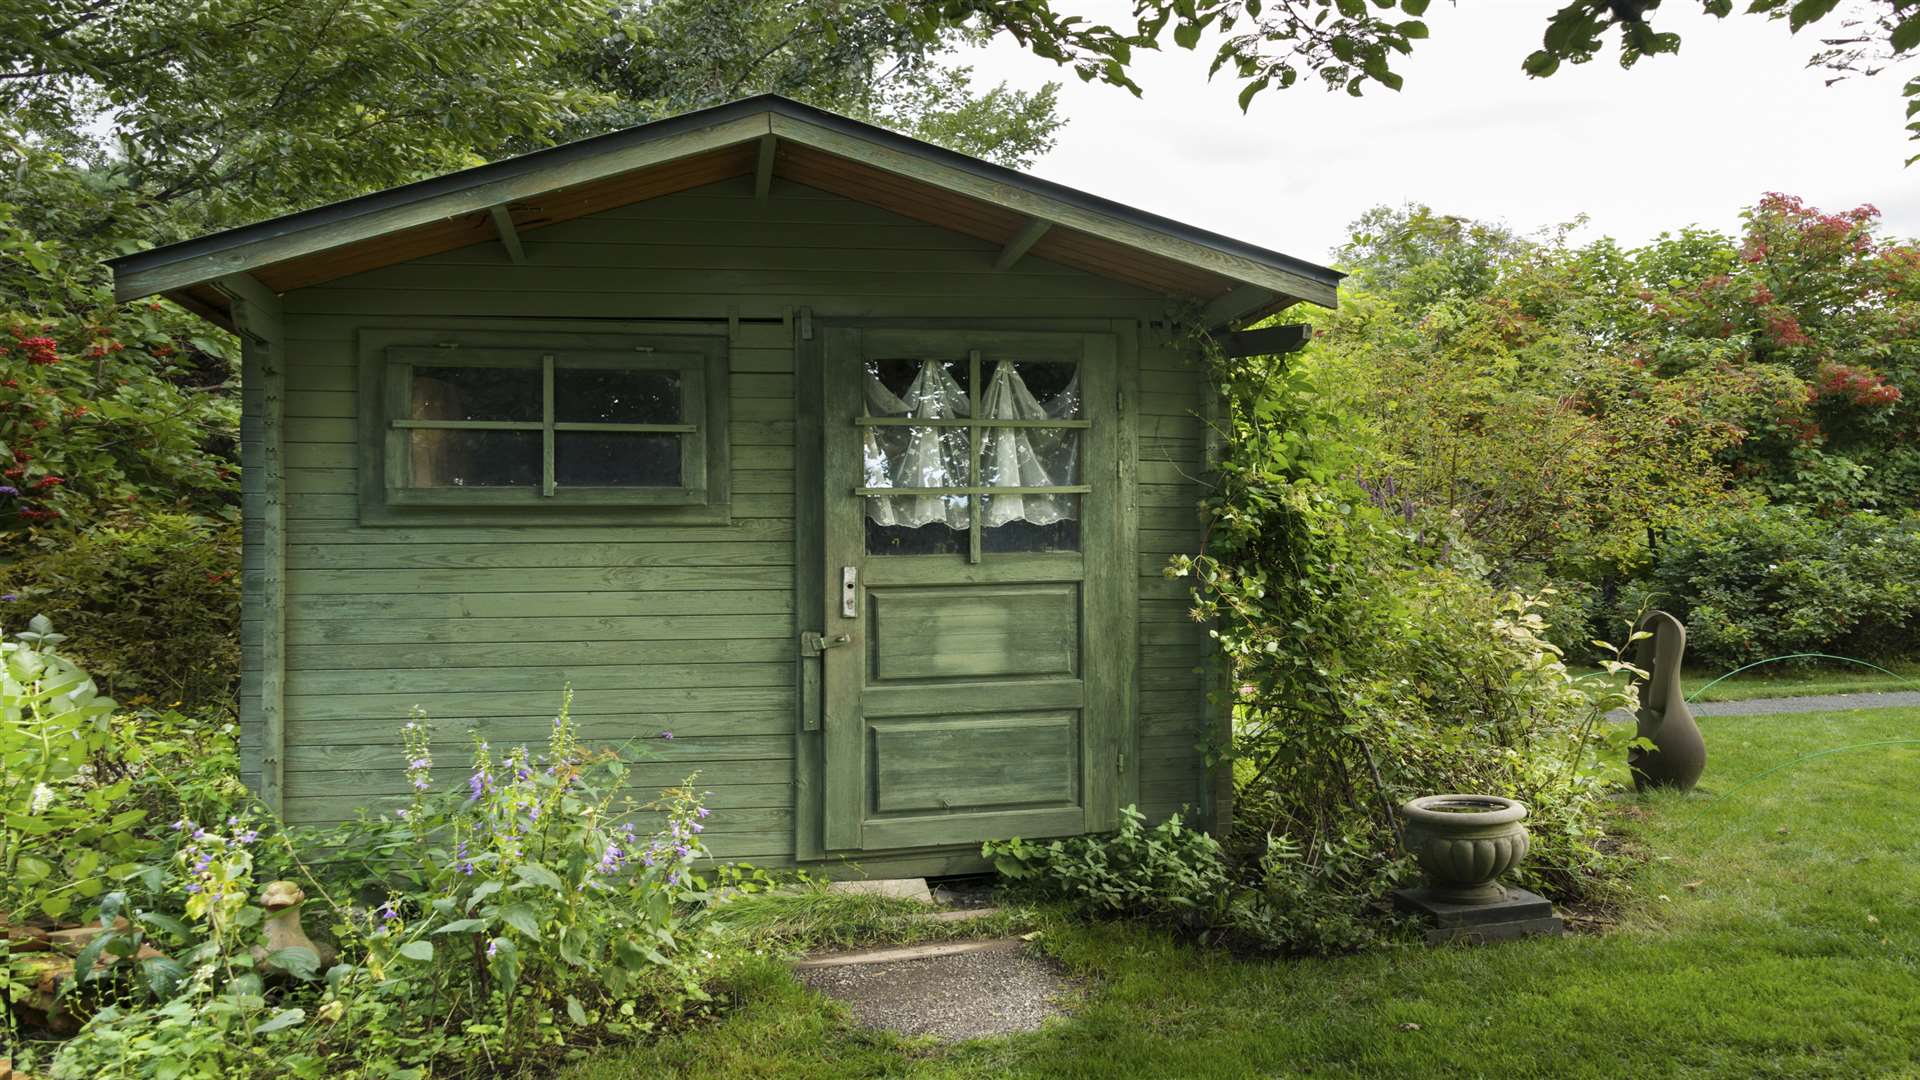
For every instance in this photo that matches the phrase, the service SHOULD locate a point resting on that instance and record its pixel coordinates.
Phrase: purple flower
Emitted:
(9, 597)
(388, 913)
(478, 784)
(682, 850)
(668, 735)
(192, 888)
(702, 813)
(9, 489)
(493, 947)
(673, 878)
(248, 837)
(697, 827)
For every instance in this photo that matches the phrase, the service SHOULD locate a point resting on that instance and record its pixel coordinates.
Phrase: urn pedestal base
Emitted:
(1517, 914)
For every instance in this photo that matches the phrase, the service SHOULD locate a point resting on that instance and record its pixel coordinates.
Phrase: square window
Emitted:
(508, 423)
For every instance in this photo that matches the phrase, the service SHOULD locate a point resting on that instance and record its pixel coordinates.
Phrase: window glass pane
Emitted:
(917, 386)
(1030, 523)
(441, 458)
(616, 459)
(475, 393)
(937, 538)
(1030, 457)
(615, 396)
(1054, 388)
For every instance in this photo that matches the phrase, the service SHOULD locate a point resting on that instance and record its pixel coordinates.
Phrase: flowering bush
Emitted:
(529, 907)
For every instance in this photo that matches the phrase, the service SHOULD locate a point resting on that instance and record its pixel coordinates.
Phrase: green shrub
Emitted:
(1371, 664)
(152, 607)
(484, 928)
(1166, 871)
(1772, 581)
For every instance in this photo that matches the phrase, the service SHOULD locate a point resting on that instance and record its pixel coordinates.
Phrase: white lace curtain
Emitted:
(937, 457)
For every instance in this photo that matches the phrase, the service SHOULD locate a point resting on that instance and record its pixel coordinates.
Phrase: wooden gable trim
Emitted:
(760, 138)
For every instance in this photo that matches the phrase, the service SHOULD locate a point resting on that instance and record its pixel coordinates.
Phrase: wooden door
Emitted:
(974, 655)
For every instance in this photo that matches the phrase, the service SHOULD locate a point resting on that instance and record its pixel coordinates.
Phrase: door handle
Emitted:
(813, 642)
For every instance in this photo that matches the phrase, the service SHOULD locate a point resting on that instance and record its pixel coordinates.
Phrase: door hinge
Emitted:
(1122, 766)
(813, 642)
(1120, 403)
(806, 324)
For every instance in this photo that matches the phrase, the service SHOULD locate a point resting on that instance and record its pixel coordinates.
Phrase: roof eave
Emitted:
(175, 266)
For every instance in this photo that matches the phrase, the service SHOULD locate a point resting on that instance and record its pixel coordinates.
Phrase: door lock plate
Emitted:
(849, 592)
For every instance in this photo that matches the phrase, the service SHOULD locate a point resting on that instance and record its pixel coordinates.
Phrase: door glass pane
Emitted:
(616, 396)
(1054, 387)
(937, 538)
(1030, 523)
(616, 459)
(475, 393)
(439, 457)
(1030, 457)
(917, 386)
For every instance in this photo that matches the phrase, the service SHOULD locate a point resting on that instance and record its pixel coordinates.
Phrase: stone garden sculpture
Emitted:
(1679, 754)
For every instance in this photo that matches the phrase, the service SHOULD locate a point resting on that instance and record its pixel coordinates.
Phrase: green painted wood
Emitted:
(574, 655)
(1131, 656)
(542, 556)
(689, 753)
(525, 184)
(635, 676)
(645, 778)
(522, 703)
(971, 765)
(973, 631)
(550, 579)
(257, 316)
(810, 594)
(970, 183)
(943, 648)
(455, 641)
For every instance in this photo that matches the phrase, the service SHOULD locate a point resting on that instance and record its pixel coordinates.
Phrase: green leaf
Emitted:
(522, 918)
(1809, 11)
(281, 1020)
(463, 926)
(163, 975)
(1906, 35)
(574, 1012)
(481, 892)
(535, 874)
(1415, 8)
(417, 950)
(296, 960)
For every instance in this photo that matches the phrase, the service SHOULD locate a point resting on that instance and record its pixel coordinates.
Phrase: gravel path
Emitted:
(1892, 699)
(998, 991)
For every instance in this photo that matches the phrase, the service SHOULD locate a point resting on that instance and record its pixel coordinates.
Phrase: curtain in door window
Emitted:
(918, 457)
(926, 457)
(1027, 457)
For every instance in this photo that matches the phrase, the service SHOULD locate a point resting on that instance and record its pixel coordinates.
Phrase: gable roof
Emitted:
(761, 136)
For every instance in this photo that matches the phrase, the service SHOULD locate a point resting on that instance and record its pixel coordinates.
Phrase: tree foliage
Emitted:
(1350, 45)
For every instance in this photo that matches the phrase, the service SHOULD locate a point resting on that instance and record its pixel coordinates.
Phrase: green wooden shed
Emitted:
(850, 461)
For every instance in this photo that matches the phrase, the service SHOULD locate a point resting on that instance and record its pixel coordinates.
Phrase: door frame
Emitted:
(1117, 699)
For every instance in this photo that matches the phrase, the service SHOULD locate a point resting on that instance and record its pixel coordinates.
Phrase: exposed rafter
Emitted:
(1236, 306)
(509, 236)
(763, 169)
(1022, 243)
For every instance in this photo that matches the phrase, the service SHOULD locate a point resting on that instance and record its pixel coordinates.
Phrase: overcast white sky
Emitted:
(1678, 140)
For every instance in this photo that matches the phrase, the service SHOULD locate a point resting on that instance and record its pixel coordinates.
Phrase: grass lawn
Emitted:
(1774, 933)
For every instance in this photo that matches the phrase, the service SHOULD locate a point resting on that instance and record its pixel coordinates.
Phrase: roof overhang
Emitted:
(761, 137)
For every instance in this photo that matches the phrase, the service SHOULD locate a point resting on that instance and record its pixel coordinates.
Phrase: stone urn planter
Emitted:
(1464, 843)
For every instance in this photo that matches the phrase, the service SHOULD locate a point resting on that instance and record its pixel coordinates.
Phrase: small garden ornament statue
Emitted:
(1679, 754)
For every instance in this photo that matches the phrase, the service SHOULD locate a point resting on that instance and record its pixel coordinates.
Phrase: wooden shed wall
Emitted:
(682, 628)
